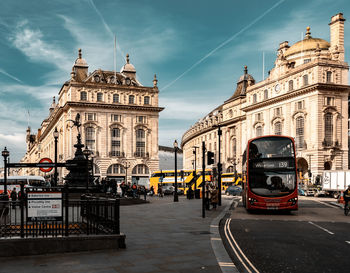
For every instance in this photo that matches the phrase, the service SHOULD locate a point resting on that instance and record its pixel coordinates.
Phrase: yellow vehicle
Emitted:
(191, 180)
(228, 179)
(167, 177)
(185, 179)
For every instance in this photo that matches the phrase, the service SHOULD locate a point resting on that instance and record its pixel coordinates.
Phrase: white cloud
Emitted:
(186, 108)
(31, 43)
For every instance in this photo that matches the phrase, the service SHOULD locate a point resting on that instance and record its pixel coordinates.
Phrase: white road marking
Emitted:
(226, 264)
(215, 239)
(215, 226)
(238, 248)
(347, 242)
(323, 203)
(326, 230)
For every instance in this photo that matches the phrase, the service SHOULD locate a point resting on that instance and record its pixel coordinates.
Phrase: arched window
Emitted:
(99, 97)
(115, 142)
(329, 76)
(146, 100)
(140, 143)
(90, 138)
(254, 98)
(131, 99)
(328, 129)
(299, 132)
(278, 128)
(259, 131)
(290, 85)
(234, 147)
(266, 94)
(116, 169)
(115, 98)
(140, 169)
(305, 80)
(83, 95)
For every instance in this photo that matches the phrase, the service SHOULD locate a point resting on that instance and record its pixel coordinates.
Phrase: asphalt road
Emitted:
(316, 238)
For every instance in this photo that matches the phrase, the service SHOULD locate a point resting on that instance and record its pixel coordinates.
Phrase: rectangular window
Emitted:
(307, 61)
(140, 119)
(329, 101)
(90, 116)
(278, 111)
(258, 117)
(329, 76)
(116, 118)
(99, 97)
(299, 105)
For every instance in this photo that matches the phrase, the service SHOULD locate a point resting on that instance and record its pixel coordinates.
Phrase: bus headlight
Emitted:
(252, 200)
(293, 200)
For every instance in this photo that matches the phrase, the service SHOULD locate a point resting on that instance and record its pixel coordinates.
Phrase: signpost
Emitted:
(45, 160)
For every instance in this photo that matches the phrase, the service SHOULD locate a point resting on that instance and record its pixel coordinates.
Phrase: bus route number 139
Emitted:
(283, 164)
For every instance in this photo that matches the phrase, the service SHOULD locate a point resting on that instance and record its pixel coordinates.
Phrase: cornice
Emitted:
(112, 106)
(295, 93)
(104, 86)
(299, 69)
(208, 129)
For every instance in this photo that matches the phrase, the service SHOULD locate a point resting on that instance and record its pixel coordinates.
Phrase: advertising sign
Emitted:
(44, 206)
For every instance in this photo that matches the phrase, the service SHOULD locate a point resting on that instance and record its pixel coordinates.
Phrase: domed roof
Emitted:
(246, 76)
(308, 43)
(128, 67)
(80, 61)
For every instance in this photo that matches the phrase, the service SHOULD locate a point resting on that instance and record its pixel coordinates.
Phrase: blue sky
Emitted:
(197, 49)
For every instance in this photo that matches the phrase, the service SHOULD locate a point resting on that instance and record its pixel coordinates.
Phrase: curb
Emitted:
(225, 262)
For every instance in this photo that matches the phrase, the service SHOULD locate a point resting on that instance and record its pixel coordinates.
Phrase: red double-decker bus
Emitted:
(270, 173)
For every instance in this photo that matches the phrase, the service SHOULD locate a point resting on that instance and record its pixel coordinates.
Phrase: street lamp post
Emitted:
(55, 135)
(5, 153)
(87, 153)
(195, 166)
(219, 164)
(235, 169)
(126, 166)
(176, 197)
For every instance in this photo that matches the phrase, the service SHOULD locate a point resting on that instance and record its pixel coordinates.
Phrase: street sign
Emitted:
(44, 205)
(45, 160)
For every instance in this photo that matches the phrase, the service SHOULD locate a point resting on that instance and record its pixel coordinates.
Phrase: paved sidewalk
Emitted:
(161, 236)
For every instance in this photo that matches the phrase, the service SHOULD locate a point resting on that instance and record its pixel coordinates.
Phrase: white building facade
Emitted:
(305, 96)
(119, 119)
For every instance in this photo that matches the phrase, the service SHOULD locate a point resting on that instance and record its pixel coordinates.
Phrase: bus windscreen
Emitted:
(272, 167)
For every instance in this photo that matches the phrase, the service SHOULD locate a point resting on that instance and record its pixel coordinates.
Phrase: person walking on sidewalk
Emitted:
(214, 197)
(13, 197)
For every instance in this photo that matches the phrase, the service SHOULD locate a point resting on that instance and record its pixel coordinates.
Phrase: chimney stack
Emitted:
(337, 35)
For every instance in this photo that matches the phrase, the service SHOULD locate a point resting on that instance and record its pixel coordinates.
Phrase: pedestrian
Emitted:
(151, 191)
(160, 191)
(143, 191)
(123, 187)
(13, 196)
(134, 190)
(214, 197)
(207, 196)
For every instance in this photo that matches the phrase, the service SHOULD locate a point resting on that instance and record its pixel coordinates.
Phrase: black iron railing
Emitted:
(89, 215)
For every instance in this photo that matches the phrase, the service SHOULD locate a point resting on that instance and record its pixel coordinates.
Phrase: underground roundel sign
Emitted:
(43, 161)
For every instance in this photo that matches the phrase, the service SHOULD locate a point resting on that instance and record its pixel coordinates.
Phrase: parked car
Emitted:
(310, 192)
(233, 190)
(301, 192)
(169, 189)
(320, 193)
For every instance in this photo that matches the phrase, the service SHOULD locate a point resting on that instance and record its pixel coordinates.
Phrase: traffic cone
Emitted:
(341, 199)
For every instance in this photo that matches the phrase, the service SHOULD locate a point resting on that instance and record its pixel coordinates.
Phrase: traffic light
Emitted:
(309, 173)
(182, 174)
(210, 158)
